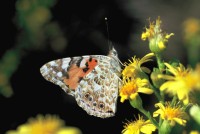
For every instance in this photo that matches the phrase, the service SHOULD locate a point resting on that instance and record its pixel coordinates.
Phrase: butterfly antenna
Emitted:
(110, 45)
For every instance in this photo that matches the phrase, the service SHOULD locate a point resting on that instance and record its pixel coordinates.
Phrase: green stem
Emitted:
(160, 121)
(162, 96)
(159, 62)
(173, 100)
(148, 115)
(165, 127)
(159, 97)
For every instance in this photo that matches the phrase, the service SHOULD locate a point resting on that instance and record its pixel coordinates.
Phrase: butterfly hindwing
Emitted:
(98, 91)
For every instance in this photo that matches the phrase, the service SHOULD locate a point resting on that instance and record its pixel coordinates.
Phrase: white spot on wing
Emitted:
(97, 87)
(53, 63)
(64, 66)
(82, 64)
(59, 74)
(65, 63)
(44, 70)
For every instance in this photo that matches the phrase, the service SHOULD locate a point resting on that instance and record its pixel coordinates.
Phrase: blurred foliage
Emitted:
(191, 34)
(8, 65)
(36, 30)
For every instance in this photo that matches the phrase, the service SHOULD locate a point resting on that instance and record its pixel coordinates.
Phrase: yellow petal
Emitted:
(180, 121)
(171, 69)
(186, 101)
(126, 132)
(142, 82)
(183, 96)
(69, 130)
(145, 35)
(149, 55)
(24, 128)
(146, 58)
(160, 105)
(161, 45)
(147, 129)
(169, 35)
(145, 90)
(170, 85)
(132, 96)
(136, 132)
(194, 132)
(157, 113)
(166, 77)
(123, 99)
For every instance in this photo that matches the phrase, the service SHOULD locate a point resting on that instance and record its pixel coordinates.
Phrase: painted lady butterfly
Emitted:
(93, 81)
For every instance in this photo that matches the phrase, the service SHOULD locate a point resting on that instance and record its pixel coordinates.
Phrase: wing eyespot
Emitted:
(101, 105)
(88, 96)
(95, 104)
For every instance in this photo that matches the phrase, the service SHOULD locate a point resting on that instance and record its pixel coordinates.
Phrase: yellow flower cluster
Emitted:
(174, 79)
(139, 126)
(182, 81)
(157, 39)
(132, 87)
(45, 125)
(133, 69)
(134, 78)
(172, 114)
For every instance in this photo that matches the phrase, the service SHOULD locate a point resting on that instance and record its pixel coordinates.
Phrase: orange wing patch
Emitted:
(75, 73)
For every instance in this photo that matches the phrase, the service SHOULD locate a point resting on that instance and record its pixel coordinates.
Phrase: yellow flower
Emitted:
(133, 69)
(194, 132)
(157, 38)
(169, 113)
(138, 126)
(44, 125)
(182, 82)
(131, 88)
(191, 27)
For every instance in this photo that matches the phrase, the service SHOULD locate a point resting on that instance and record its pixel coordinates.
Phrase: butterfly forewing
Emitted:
(68, 72)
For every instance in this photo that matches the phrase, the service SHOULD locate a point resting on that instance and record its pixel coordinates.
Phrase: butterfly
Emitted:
(93, 80)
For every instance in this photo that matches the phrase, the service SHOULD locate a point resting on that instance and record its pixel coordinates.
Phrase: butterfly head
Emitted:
(113, 53)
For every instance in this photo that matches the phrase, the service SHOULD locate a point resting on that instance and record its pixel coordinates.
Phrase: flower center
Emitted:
(129, 88)
(171, 113)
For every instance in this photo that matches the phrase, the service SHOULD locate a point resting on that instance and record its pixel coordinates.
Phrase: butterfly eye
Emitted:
(115, 52)
(101, 105)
